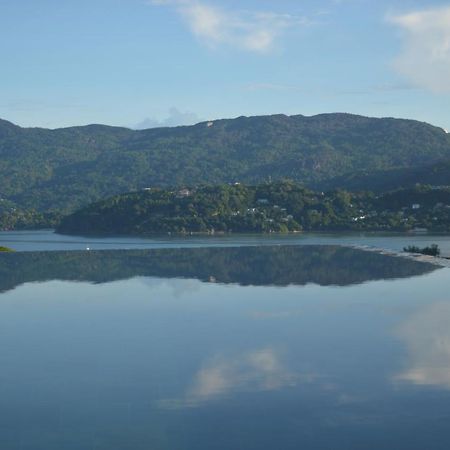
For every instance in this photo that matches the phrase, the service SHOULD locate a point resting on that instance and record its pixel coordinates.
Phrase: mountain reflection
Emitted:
(260, 266)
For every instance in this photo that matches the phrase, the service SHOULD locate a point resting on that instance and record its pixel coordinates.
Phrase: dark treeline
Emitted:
(432, 250)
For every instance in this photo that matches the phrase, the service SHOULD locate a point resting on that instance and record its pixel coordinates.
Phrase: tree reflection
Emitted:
(260, 266)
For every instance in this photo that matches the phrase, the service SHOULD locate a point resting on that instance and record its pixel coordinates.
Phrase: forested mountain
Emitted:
(66, 168)
(13, 217)
(269, 207)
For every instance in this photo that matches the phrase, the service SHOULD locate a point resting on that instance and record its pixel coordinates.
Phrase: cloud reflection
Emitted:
(260, 370)
(178, 287)
(427, 336)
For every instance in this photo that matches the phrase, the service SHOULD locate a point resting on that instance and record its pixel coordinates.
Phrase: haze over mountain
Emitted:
(70, 167)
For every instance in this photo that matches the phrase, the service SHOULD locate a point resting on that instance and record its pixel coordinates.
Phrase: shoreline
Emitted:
(388, 243)
(435, 260)
(235, 233)
(443, 262)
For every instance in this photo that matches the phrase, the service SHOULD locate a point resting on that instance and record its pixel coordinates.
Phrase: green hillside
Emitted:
(436, 174)
(67, 168)
(270, 207)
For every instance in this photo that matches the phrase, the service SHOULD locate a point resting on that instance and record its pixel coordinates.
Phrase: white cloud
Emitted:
(425, 58)
(250, 31)
(174, 119)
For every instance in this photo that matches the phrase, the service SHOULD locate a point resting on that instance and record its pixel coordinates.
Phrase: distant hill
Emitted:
(67, 168)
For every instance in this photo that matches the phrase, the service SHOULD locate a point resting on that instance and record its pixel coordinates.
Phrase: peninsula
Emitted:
(284, 206)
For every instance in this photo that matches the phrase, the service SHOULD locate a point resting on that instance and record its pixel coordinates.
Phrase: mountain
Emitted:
(64, 169)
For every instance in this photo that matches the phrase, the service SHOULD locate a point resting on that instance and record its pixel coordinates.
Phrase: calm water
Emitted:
(48, 241)
(214, 348)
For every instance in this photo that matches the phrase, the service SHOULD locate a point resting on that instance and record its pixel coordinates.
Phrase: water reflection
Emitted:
(191, 364)
(261, 266)
(259, 370)
(427, 337)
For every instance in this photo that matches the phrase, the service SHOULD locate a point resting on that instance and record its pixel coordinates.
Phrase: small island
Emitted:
(278, 207)
(5, 249)
(432, 250)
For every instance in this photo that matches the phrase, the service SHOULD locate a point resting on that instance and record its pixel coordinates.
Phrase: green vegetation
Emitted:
(260, 266)
(62, 170)
(435, 174)
(283, 206)
(13, 217)
(5, 249)
(432, 250)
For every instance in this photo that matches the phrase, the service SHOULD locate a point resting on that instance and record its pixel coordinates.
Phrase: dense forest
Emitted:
(13, 217)
(435, 174)
(283, 206)
(64, 169)
(261, 266)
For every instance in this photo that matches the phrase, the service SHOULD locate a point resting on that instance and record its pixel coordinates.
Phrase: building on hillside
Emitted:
(184, 193)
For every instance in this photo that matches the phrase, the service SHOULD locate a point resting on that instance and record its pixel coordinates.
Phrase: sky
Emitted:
(147, 63)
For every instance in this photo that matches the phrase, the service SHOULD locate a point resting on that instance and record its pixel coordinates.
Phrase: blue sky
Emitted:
(169, 62)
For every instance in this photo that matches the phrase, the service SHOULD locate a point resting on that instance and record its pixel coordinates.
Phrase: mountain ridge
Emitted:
(65, 168)
(202, 122)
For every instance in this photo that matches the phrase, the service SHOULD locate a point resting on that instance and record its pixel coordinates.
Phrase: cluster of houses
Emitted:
(275, 208)
(179, 194)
